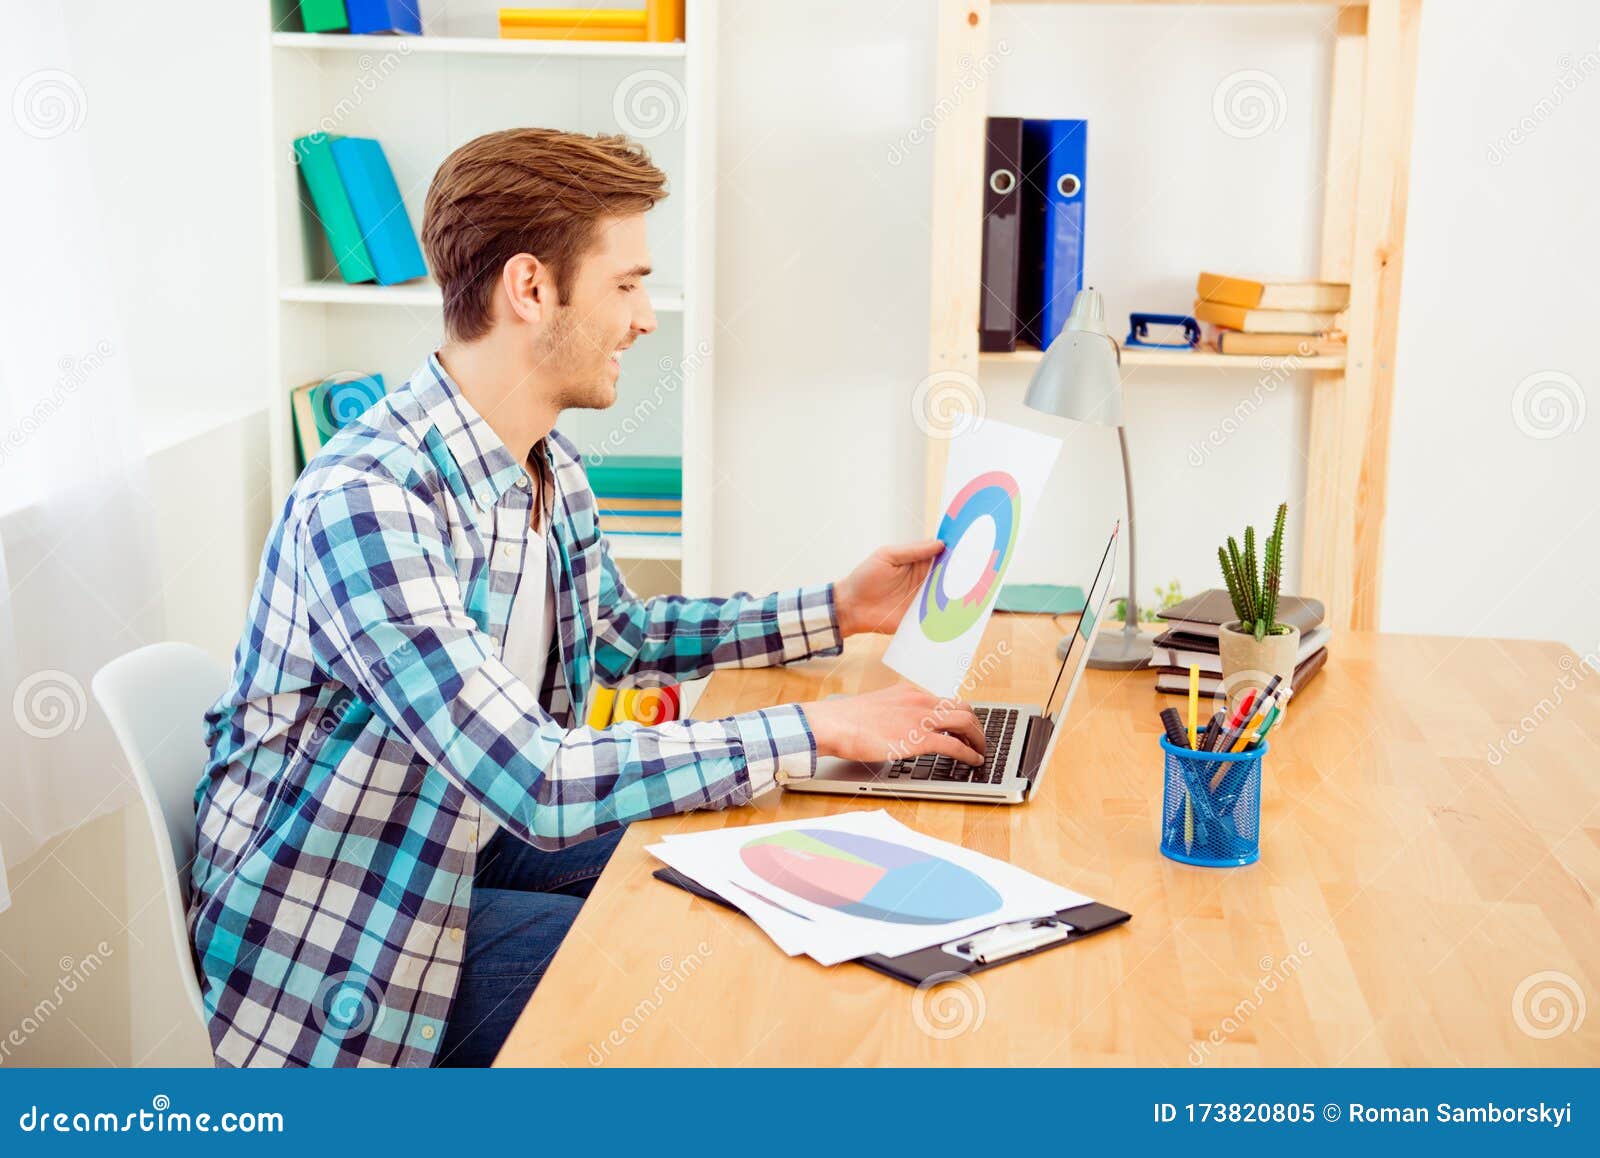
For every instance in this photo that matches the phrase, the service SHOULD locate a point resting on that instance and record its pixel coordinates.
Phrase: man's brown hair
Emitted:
(537, 191)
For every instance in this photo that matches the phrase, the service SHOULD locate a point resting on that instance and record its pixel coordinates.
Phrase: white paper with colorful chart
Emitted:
(992, 483)
(846, 886)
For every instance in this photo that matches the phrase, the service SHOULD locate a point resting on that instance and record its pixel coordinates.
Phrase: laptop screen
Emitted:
(1077, 657)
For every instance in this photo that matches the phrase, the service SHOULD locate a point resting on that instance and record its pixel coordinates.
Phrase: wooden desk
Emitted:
(1409, 890)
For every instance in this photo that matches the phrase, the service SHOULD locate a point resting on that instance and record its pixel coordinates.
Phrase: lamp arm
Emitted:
(1131, 621)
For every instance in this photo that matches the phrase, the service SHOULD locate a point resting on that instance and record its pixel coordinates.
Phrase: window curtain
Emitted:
(78, 576)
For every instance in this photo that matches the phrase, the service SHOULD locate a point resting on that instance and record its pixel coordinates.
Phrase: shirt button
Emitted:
(427, 1033)
(455, 934)
(523, 482)
(472, 837)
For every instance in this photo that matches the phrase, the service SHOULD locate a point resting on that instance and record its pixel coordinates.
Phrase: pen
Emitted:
(1194, 704)
(1176, 736)
(1208, 739)
(1272, 719)
(1239, 719)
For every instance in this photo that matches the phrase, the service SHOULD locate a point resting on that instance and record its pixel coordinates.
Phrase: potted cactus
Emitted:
(1256, 647)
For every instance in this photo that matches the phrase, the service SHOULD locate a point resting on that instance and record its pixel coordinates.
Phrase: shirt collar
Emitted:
(487, 468)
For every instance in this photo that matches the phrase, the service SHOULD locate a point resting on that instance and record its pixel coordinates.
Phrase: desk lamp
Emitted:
(1080, 378)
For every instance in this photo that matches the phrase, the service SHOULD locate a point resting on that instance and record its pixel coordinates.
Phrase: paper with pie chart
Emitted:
(992, 484)
(841, 887)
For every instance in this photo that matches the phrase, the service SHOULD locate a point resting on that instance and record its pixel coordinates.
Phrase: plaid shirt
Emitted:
(370, 722)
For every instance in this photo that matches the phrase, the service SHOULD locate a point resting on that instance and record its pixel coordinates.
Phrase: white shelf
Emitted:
(477, 46)
(645, 546)
(1206, 357)
(665, 299)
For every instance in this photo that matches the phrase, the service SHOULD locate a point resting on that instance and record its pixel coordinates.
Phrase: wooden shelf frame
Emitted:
(1362, 242)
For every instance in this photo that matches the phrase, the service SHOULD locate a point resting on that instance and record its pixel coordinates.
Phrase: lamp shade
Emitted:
(1080, 375)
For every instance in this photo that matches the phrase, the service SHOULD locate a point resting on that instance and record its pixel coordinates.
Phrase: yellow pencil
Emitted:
(1194, 705)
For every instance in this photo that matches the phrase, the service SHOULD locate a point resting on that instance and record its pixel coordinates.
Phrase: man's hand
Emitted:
(894, 723)
(876, 594)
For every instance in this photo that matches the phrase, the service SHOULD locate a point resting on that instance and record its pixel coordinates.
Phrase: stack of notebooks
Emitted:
(321, 409)
(361, 17)
(1272, 318)
(358, 203)
(658, 20)
(639, 494)
(1191, 639)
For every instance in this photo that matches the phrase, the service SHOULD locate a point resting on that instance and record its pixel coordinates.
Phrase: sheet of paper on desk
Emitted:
(992, 483)
(858, 883)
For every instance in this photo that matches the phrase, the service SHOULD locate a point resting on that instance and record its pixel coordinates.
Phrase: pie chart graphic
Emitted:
(867, 877)
(946, 614)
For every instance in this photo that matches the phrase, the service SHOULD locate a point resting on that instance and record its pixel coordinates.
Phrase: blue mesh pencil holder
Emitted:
(1211, 806)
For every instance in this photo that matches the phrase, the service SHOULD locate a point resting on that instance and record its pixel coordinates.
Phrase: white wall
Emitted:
(824, 264)
(1493, 480)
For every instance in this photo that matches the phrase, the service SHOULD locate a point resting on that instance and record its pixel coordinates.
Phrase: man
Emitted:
(402, 812)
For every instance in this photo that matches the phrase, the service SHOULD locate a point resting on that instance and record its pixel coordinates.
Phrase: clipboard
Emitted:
(974, 953)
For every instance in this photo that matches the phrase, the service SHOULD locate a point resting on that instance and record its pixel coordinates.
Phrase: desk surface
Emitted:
(1417, 901)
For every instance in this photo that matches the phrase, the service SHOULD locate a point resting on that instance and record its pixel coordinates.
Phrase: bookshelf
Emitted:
(1361, 241)
(421, 97)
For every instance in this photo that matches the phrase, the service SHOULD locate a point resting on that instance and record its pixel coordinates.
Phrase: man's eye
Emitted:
(628, 289)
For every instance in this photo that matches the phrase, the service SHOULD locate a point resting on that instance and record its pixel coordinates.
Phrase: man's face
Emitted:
(607, 309)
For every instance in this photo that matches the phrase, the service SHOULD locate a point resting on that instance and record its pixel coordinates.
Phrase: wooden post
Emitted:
(956, 221)
(1369, 148)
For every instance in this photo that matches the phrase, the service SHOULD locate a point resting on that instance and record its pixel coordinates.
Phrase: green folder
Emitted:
(323, 15)
(314, 156)
(1039, 598)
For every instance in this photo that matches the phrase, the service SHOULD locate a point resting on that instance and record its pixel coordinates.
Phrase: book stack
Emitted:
(658, 21)
(1191, 640)
(361, 17)
(639, 494)
(322, 408)
(1272, 318)
(356, 199)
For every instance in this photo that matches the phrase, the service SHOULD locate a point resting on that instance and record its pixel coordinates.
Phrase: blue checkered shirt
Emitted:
(370, 723)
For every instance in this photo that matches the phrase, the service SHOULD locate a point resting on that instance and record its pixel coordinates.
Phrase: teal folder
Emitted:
(314, 157)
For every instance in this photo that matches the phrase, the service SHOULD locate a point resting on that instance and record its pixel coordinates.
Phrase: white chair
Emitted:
(156, 699)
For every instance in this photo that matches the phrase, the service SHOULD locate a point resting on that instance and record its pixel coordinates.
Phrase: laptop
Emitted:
(1021, 737)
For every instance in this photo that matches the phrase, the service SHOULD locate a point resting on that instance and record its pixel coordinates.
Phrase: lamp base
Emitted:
(1124, 650)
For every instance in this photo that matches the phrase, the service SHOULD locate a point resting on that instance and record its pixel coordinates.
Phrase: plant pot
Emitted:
(1249, 663)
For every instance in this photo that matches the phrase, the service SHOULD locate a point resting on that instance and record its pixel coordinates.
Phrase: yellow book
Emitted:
(308, 439)
(663, 20)
(1323, 296)
(600, 710)
(1279, 345)
(642, 524)
(621, 506)
(590, 17)
(658, 20)
(566, 32)
(1264, 321)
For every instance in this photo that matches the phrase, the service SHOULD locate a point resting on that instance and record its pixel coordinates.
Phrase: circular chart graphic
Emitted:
(994, 494)
(867, 877)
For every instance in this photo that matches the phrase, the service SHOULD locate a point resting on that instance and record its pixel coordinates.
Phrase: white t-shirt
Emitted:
(531, 627)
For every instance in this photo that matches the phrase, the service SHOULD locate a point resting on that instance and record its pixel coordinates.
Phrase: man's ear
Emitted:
(528, 287)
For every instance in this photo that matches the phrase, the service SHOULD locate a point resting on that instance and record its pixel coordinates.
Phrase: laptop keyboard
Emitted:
(999, 725)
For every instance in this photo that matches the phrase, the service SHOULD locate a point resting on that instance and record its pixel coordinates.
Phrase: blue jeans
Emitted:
(523, 903)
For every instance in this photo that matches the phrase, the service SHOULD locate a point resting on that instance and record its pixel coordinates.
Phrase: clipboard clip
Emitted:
(1008, 940)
